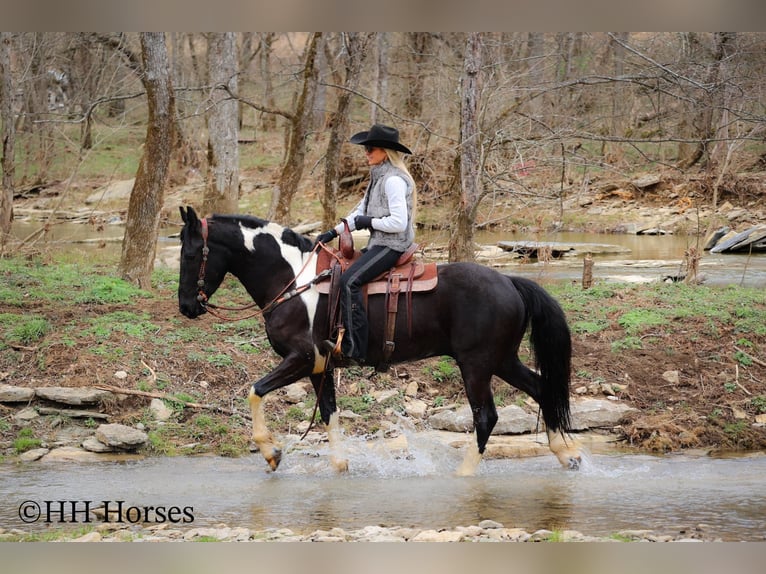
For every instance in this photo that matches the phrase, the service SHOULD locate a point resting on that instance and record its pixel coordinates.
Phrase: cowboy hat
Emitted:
(380, 136)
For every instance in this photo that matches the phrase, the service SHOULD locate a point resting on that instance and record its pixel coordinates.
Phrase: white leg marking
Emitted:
(566, 449)
(470, 462)
(261, 435)
(333, 436)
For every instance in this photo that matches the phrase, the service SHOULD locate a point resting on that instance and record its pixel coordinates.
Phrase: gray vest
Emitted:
(377, 206)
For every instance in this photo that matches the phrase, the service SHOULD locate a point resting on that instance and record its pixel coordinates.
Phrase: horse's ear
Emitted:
(188, 215)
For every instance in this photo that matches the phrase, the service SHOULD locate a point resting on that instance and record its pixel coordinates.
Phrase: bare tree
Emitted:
(8, 137)
(380, 94)
(145, 205)
(222, 182)
(468, 195)
(268, 121)
(300, 127)
(356, 44)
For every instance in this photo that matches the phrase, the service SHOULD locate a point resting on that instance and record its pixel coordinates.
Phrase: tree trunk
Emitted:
(420, 45)
(222, 184)
(8, 138)
(268, 121)
(356, 50)
(461, 247)
(300, 127)
(145, 205)
(613, 151)
(381, 77)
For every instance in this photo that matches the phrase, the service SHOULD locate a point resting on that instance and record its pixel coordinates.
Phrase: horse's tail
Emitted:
(552, 346)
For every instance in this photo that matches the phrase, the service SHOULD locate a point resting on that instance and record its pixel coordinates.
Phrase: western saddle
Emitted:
(408, 275)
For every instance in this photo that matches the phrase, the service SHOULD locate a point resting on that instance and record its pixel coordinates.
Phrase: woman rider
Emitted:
(387, 211)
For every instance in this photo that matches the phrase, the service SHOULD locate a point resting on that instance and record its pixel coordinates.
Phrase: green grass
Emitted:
(25, 440)
(22, 329)
(646, 310)
(22, 281)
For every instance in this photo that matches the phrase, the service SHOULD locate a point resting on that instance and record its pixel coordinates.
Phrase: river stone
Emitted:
(459, 420)
(160, 411)
(34, 454)
(92, 444)
(14, 394)
(436, 536)
(511, 420)
(73, 395)
(415, 408)
(121, 436)
(597, 413)
(89, 537)
(295, 393)
(514, 420)
(71, 453)
(115, 190)
(25, 415)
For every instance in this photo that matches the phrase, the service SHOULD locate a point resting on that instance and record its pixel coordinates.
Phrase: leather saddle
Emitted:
(408, 275)
(414, 275)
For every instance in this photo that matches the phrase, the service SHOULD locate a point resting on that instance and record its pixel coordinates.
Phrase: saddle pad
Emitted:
(426, 279)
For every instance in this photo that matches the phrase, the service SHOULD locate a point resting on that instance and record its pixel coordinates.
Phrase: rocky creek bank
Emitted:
(97, 438)
(485, 531)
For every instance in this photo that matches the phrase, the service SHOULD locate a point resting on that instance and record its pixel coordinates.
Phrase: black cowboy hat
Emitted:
(380, 136)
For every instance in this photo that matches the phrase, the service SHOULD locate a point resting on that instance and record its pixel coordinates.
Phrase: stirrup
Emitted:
(333, 348)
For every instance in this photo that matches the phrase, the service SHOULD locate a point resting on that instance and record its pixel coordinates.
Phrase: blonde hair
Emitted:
(397, 160)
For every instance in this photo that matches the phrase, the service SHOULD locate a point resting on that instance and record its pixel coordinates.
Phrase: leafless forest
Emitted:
(478, 109)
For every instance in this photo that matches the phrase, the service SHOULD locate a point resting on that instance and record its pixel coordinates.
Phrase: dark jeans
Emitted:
(372, 263)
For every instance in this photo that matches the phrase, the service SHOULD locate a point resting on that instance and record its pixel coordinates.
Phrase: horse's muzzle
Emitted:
(192, 310)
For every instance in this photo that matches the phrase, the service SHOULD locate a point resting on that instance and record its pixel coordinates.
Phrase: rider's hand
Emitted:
(363, 222)
(327, 236)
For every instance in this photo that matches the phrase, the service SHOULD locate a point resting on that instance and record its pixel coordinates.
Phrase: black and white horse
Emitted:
(476, 315)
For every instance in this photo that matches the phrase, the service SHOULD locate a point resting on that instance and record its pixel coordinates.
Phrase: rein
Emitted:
(284, 294)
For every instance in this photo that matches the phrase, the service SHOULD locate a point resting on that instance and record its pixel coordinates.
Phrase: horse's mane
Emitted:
(288, 236)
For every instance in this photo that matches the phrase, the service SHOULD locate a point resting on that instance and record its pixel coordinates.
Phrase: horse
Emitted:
(476, 315)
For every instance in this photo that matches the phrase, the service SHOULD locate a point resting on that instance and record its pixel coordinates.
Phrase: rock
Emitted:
(411, 390)
(25, 415)
(160, 411)
(597, 413)
(511, 420)
(761, 419)
(92, 444)
(121, 436)
(382, 396)
(71, 454)
(14, 394)
(75, 396)
(89, 537)
(115, 190)
(436, 536)
(460, 420)
(415, 408)
(295, 393)
(646, 181)
(489, 524)
(34, 454)
(671, 377)
(120, 375)
(72, 413)
(514, 420)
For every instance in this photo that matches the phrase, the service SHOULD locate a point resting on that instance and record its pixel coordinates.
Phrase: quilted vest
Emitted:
(377, 206)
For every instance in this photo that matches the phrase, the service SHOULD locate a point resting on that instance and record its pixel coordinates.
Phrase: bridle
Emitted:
(284, 294)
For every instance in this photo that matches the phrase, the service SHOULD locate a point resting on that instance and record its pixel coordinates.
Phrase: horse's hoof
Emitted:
(340, 464)
(276, 458)
(574, 463)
